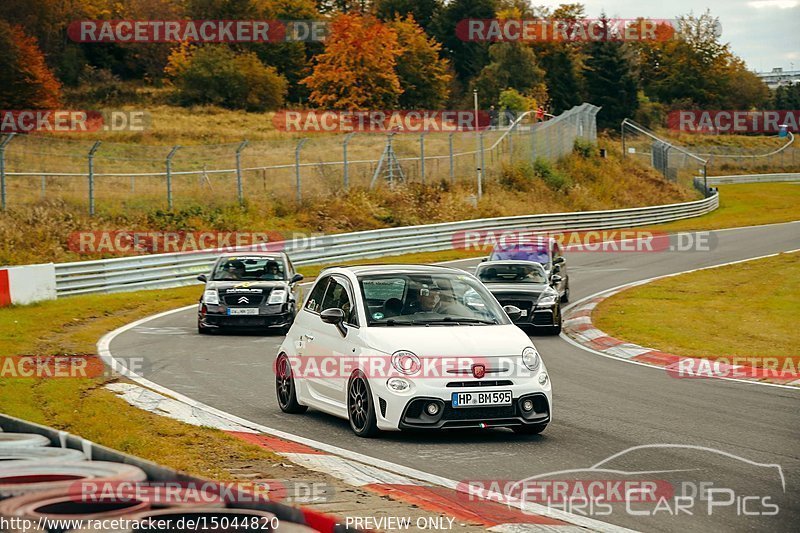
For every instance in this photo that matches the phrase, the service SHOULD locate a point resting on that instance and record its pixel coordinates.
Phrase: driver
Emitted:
(429, 299)
(233, 270)
(271, 271)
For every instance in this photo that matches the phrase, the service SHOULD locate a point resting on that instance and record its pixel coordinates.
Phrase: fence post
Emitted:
(511, 143)
(622, 127)
(92, 151)
(239, 188)
(297, 168)
(346, 180)
(3, 144)
(481, 169)
(169, 175)
(422, 156)
(452, 162)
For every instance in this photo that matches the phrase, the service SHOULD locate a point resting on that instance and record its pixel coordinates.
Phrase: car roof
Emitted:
(273, 255)
(510, 262)
(537, 241)
(361, 270)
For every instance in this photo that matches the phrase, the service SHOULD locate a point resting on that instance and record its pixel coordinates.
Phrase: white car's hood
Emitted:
(450, 341)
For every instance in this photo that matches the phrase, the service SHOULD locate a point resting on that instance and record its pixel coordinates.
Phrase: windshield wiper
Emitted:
(454, 320)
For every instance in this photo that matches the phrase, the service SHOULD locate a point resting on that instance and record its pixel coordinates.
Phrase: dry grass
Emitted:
(84, 407)
(41, 233)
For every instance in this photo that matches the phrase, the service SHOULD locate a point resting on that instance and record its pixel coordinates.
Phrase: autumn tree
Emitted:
(357, 68)
(215, 74)
(25, 79)
(513, 65)
(423, 11)
(423, 75)
(468, 58)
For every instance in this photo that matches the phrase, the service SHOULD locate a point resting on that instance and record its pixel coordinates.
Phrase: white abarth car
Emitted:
(393, 347)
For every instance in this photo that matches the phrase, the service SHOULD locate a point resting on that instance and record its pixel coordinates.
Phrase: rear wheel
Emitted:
(533, 429)
(202, 330)
(360, 410)
(565, 297)
(285, 387)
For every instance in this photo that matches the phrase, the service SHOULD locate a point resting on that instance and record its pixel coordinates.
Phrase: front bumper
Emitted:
(537, 317)
(406, 410)
(217, 317)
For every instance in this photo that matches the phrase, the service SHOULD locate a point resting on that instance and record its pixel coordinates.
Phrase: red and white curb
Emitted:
(579, 329)
(404, 486)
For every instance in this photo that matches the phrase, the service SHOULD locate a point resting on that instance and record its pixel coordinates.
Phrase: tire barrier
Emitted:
(51, 455)
(70, 505)
(18, 478)
(19, 440)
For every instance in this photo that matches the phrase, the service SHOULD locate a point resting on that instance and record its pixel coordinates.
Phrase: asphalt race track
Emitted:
(601, 406)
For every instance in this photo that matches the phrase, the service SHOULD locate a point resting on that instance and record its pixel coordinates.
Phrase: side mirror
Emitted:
(555, 279)
(334, 316)
(559, 260)
(296, 278)
(512, 311)
(202, 277)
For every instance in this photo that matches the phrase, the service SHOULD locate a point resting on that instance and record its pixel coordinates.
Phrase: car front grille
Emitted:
(525, 305)
(487, 383)
(243, 300)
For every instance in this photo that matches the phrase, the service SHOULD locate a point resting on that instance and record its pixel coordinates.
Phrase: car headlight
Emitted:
(406, 362)
(531, 359)
(547, 298)
(277, 296)
(211, 296)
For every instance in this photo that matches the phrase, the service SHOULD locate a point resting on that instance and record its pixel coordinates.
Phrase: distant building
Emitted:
(778, 77)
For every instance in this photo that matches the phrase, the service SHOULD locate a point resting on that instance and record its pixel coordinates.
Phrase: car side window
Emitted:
(314, 302)
(338, 296)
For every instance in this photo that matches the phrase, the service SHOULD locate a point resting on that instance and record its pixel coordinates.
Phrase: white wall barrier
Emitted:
(21, 285)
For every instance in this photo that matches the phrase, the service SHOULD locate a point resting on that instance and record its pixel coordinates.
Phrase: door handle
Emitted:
(309, 337)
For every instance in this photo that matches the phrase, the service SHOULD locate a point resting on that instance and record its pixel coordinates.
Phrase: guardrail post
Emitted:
(346, 172)
(452, 162)
(297, 168)
(239, 188)
(169, 175)
(481, 168)
(92, 151)
(422, 156)
(3, 144)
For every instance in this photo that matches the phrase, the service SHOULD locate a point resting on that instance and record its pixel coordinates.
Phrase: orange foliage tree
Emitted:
(357, 68)
(25, 79)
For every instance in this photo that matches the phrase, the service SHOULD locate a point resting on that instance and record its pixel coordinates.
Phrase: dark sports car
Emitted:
(252, 290)
(545, 251)
(525, 284)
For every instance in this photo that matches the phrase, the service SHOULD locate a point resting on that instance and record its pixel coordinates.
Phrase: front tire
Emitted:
(285, 387)
(360, 411)
(555, 329)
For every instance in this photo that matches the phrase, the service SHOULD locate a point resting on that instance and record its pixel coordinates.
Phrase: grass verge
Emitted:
(744, 310)
(84, 407)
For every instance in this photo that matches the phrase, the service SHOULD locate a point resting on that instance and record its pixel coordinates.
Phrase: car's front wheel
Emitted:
(360, 410)
(285, 388)
(555, 329)
(533, 429)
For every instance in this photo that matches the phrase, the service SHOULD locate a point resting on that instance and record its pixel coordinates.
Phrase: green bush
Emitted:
(218, 76)
(550, 176)
(584, 148)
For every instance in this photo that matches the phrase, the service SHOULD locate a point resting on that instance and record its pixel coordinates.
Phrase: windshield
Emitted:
(522, 252)
(428, 299)
(254, 268)
(511, 273)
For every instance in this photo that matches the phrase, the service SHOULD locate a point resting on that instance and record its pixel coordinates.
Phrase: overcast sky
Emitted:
(765, 33)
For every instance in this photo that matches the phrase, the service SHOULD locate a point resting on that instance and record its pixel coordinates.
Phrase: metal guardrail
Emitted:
(172, 270)
(754, 178)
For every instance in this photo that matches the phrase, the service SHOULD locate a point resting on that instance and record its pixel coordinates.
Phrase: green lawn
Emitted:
(744, 310)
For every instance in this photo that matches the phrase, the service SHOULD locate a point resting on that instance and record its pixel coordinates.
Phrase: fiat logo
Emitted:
(478, 371)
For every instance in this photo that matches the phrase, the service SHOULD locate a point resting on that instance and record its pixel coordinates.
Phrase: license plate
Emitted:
(482, 398)
(243, 311)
